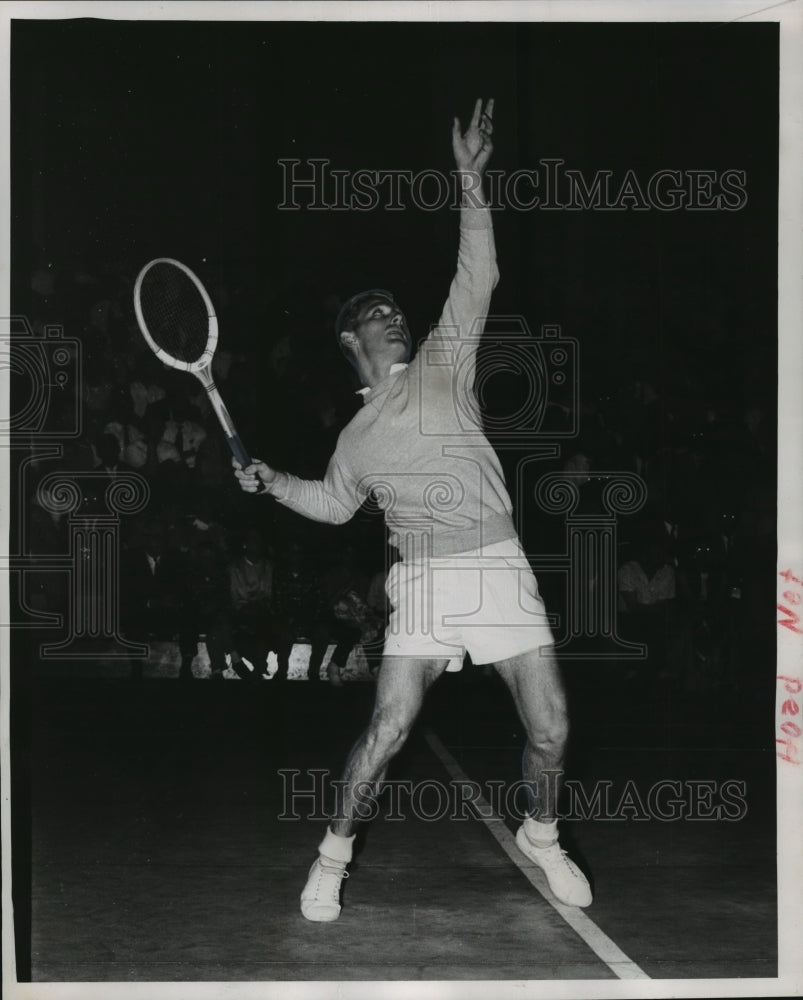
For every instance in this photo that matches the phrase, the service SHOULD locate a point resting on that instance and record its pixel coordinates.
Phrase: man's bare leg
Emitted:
(535, 682)
(401, 686)
(537, 688)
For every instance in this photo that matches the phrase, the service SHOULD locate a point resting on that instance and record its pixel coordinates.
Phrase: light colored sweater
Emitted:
(417, 446)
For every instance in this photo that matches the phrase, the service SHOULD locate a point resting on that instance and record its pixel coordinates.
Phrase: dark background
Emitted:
(132, 140)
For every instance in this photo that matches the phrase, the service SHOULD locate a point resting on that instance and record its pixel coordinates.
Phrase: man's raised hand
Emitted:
(473, 148)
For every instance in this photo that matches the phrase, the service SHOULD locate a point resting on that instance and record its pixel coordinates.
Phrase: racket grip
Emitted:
(238, 450)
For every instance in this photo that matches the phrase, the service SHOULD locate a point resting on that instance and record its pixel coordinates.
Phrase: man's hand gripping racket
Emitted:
(178, 322)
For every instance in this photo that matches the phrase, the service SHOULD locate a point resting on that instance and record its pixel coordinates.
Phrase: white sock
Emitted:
(540, 834)
(336, 848)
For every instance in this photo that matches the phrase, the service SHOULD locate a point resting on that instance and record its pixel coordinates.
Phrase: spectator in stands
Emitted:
(191, 434)
(717, 583)
(208, 612)
(647, 605)
(347, 618)
(136, 448)
(157, 599)
(297, 601)
(142, 586)
(254, 625)
(647, 581)
(97, 386)
(145, 393)
(107, 448)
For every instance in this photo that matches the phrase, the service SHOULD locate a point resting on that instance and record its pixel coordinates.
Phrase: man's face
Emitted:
(381, 330)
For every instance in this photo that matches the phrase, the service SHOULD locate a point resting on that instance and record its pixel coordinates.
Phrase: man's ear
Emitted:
(348, 339)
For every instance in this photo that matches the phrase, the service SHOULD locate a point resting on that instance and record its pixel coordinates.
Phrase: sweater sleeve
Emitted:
(452, 344)
(475, 278)
(333, 499)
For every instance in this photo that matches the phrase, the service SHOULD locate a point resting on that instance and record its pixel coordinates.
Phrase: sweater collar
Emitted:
(394, 370)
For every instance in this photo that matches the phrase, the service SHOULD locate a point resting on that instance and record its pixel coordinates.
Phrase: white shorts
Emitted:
(484, 602)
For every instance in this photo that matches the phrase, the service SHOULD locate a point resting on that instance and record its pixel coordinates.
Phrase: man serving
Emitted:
(463, 583)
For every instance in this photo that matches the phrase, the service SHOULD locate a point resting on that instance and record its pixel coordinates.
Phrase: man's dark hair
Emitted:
(350, 313)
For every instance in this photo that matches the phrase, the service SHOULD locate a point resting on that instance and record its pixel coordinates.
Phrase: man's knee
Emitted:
(388, 732)
(537, 688)
(550, 727)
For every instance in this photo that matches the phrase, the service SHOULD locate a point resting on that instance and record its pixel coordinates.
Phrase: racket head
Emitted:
(175, 315)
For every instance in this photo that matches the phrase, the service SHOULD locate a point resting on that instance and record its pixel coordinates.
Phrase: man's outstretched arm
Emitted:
(334, 499)
(476, 274)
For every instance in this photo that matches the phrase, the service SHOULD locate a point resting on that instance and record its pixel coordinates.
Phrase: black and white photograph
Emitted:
(400, 463)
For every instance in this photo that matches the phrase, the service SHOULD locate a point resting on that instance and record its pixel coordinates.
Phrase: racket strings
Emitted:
(174, 312)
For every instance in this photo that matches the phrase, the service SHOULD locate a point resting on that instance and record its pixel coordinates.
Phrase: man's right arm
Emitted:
(455, 339)
(333, 499)
(477, 274)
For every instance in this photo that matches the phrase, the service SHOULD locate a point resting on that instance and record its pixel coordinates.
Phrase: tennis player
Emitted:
(463, 582)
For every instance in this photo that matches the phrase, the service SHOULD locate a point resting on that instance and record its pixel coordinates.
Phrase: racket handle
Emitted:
(238, 450)
(204, 376)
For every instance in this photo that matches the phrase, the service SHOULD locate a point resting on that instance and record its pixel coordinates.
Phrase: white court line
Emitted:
(596, 939)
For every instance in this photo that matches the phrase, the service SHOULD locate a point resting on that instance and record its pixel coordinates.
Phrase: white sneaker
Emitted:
(320, 899)
(567, 882)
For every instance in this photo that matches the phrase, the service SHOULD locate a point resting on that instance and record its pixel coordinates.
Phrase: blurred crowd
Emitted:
(695, 566)
(203, 560)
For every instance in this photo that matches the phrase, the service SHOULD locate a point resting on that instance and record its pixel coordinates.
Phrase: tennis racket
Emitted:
(178, 322)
